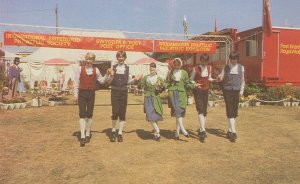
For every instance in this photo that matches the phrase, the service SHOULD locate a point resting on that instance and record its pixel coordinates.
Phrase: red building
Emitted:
(274, 59)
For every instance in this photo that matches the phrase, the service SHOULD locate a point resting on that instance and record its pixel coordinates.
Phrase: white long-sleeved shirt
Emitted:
(120, 69)
(89, 71)
(234, 70)
(204, 73)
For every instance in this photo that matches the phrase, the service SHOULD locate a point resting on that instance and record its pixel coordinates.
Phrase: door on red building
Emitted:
(271, 61)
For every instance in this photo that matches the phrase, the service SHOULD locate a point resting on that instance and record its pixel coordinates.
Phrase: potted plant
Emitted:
(57, 99)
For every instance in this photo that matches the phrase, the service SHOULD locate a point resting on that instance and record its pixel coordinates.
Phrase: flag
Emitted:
(267, 25)
(216, 28)
(185, 27)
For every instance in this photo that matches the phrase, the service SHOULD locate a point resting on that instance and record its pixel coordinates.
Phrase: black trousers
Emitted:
(86, 101)
(231, 98)
(201, 99)
(119, 104)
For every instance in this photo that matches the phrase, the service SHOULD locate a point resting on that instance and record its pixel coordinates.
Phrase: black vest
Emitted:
(232, 81)
(120, 80)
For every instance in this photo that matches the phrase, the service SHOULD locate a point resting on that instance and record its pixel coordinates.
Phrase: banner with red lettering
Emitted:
(99, 43)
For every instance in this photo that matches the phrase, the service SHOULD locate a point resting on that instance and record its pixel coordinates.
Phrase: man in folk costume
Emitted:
(232, 77)
(84, 92)
(14, 78)
(201, 74)
(119, 94)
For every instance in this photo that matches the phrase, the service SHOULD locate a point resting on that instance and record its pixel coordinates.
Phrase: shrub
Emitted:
(297, 93)
(254, 88)
(277, 93)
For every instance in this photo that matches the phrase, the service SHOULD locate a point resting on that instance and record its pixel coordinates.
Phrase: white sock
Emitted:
(114, 125)
(154, 125)
(121, 126)
(88, 126)
(229, 125)
(177, 128)
(232, 124)
(82, 127)
(202, 122)
(180, 122)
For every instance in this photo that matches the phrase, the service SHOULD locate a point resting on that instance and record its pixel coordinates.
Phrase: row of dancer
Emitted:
(177, 82)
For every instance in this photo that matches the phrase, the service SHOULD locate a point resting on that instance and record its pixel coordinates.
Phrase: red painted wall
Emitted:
(280, 62)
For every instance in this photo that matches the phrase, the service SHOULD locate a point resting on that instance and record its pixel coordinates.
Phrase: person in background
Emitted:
(121, 77)
(21, 86)
(61, 79)
(14, 78)
(84, 92)
(232, 77)
(177, 82)
(153, 86)
(201, 74)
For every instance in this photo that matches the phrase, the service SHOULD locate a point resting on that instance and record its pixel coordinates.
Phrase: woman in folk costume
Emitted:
(232, 77)
(201, 74)
(84, 92)
(119, 94)
(152, 85)
(177, 81)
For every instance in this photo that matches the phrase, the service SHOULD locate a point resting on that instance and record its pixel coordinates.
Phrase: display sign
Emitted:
(99, 43)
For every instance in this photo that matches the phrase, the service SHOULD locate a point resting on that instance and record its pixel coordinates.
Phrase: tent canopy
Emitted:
(57, 62)
(34, 64)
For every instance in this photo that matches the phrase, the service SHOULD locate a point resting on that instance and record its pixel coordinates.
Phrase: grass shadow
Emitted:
(143, 134)
(107, 132)
(77, 134)
(168, 134)
(216, 132)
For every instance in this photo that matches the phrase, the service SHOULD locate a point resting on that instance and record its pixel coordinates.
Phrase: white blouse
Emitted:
(177, 75)
(152, 79)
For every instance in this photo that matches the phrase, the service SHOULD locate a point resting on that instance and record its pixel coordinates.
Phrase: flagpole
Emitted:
(262, 40)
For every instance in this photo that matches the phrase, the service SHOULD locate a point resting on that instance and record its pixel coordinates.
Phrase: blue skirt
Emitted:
(151, 114)
(176, 110)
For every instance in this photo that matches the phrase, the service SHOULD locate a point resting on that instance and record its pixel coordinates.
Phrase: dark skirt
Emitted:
(176, 110)
(151, 114)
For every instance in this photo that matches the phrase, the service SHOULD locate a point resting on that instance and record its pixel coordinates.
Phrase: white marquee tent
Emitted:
(34, 68)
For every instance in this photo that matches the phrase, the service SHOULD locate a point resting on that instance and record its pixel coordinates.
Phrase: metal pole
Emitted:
(56, 15)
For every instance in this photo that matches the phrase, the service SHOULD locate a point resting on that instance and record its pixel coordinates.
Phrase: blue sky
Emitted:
(150, 16)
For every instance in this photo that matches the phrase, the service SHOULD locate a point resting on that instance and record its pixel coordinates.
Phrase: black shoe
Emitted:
(202, 135)
(157, 138)
(113, 137)
(228, 134)
(82, 142)
(88, 138)
(120, 138)
(176, 138)
(233, 137)
(187, 135)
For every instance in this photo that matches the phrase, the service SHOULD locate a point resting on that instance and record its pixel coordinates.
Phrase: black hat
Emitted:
(16, 60)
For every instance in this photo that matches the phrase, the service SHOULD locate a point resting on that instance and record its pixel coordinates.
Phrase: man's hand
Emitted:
(110, 71)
